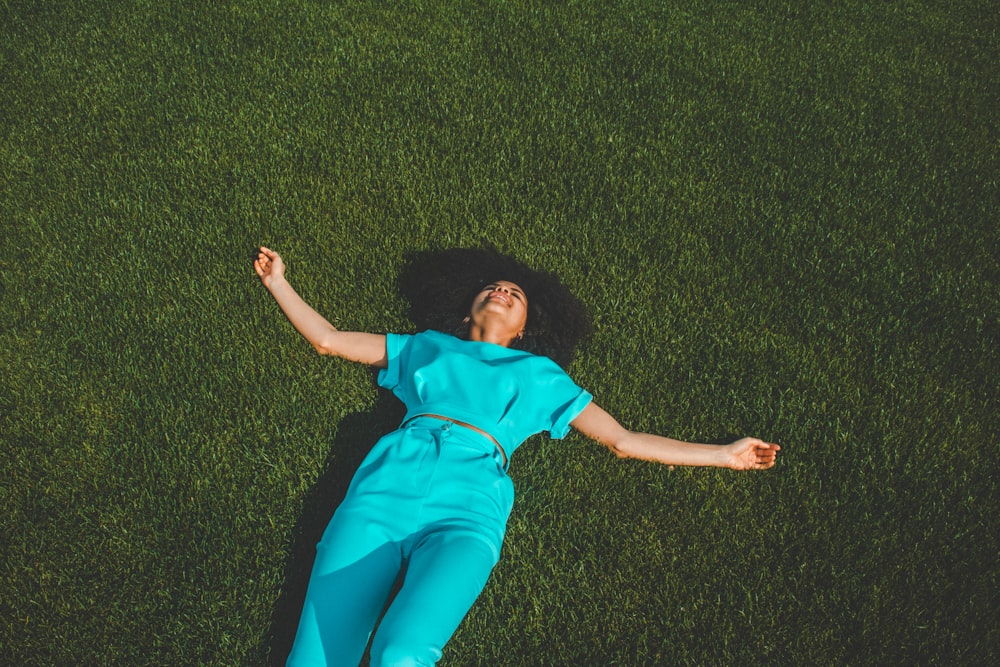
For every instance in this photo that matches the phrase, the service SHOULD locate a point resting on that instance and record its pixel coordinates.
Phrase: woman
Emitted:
(433, 496)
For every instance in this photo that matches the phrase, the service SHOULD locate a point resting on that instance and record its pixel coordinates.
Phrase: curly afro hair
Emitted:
(440, 285)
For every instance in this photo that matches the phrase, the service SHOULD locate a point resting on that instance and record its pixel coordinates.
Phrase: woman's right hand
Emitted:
(269, 266)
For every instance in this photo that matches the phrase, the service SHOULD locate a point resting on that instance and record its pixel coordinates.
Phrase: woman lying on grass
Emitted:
(433, 496)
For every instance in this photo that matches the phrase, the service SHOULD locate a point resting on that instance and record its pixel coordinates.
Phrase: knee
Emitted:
(396, 653)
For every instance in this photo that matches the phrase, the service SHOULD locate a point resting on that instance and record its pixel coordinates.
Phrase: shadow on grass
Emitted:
(356, 435)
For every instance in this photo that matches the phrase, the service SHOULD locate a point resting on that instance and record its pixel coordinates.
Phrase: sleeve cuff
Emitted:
(388, 377)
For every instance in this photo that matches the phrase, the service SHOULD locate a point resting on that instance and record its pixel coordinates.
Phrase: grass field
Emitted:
(782, 215)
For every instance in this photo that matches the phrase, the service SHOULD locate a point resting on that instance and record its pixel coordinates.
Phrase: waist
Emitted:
(472, 428)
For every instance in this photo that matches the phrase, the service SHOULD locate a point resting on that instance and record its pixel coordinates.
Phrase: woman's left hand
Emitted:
(269, 266)
(752, 454)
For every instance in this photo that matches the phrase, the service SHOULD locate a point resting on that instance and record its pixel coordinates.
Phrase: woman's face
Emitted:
(504, 303)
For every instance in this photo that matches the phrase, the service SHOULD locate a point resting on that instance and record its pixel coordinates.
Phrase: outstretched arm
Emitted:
(365, 348)
(744, 454)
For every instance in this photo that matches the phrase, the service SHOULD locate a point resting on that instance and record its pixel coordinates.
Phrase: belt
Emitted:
(463, 425)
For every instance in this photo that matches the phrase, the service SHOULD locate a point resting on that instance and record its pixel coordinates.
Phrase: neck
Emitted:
(487, 334)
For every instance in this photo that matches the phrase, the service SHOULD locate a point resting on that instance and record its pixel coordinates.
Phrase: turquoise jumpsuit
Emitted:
(432, 497)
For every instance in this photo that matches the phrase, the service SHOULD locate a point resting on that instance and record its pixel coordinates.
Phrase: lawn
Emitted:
(782, 216)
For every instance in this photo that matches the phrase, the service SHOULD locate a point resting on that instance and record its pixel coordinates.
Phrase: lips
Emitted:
(500, 296)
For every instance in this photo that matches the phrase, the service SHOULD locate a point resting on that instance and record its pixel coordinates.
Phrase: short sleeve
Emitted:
(569, 412)
(565, 399)
(388, 377)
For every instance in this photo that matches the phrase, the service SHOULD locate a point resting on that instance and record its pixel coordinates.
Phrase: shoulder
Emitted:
(421, 342)
(432, 338)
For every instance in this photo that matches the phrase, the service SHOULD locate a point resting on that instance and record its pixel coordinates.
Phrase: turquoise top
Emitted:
(510, 394)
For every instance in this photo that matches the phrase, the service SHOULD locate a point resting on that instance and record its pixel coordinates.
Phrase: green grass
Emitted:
(782, 215)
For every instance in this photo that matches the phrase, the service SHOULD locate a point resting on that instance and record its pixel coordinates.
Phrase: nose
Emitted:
(504, 290)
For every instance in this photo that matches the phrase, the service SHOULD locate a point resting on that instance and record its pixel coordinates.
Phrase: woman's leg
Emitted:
(446, 573)
(351, 579)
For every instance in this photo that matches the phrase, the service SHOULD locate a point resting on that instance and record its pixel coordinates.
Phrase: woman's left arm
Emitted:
(744, 454)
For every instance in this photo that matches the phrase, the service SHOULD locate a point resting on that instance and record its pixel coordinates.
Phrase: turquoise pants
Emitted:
(432, 498)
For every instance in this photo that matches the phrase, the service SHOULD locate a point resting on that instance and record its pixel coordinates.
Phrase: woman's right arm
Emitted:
(365, 348)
